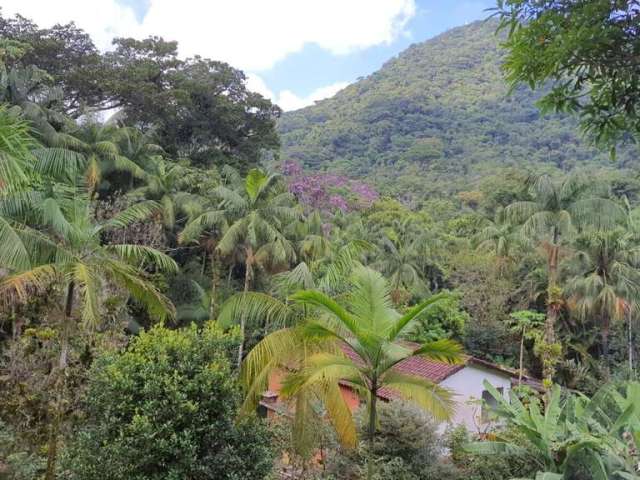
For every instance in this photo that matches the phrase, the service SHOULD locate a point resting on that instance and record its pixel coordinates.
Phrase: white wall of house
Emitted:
(468, 386)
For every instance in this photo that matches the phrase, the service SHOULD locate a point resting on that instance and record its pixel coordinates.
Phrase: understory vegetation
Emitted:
(163, 260)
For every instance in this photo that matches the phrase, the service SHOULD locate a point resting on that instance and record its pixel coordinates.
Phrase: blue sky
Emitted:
(294, 51)
(313, 67)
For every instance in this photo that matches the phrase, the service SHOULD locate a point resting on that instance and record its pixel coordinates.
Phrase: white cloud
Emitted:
(256, 84)
(249, 34)
(290, 101)
(103, 20)
(286, 99)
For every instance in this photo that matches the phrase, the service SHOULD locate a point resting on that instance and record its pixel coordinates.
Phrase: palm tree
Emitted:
(25, 163)
(401, 257)
(28, 90)
(501, 238)
(557, 211)
(604, 280)
(312, 243)
(141, 149)
(354, 342)
(67, 250)
(166, 183)
(16, 145)
(100, 144)
(256, 215)
(525, 323)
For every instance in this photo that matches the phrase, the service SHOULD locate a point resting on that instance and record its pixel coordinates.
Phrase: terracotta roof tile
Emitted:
(421, 367)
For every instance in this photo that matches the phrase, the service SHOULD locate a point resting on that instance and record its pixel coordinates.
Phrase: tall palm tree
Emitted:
(28, 89)
(256, 215)
(166, 183)
(329, 275)
(100, 144)
(401, 256)
(27, 167)
(16, 145)
(354, 342)
(558, 209)
(67, 250)
(604, 280)
(525, 323)
(311, 241)
(502, 239)
(141, 149)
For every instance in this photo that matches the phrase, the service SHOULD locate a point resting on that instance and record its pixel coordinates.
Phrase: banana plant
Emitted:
(599, 434)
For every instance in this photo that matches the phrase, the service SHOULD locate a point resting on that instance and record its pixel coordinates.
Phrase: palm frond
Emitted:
(280, 348)
(138, 255)
(443, 350)
(233, 201)
(401, 323)
(59, 163)
(430, 396)
(90, 289)
(300, 277)
(194, 228)
(14, 254)
(140, 289)
(343, 264)
(25, 283)
(256, 308)
(254, 183)
(135, 213)
(370, 299)
(328, 305)
(232, 237)
(339, 413)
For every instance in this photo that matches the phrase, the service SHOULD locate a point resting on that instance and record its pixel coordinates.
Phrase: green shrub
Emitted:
(166, 409)
(483, 467)
(407, 447)
(15, 462)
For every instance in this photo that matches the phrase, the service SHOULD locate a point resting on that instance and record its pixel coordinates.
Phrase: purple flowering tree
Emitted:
(327, 192)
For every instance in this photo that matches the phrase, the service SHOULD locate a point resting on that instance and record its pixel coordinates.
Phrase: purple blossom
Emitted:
(338, 201)
(327, 191)
(291, 168)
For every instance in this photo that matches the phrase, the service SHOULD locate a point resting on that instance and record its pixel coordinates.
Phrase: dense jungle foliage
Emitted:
(161, 257)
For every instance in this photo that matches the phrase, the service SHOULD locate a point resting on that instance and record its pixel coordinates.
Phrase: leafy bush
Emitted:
(166, 409)
(407, 447)
(15, 462)
(446, 319)
(482, 467)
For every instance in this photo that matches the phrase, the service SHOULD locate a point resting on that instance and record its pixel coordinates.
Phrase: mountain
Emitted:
(437, 116)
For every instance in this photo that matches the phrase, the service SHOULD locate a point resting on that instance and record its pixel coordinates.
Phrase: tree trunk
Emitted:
(630, 344)
(373, 398)
(214, 282)
(247, 282)
(604, 334)
(552, 311)
(54, 428)
(230, 275)
(521, 357)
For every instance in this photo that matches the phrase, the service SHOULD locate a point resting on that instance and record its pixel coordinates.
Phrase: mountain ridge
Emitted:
(440, 108)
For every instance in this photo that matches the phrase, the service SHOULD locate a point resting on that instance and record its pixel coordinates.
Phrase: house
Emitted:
(465, 380)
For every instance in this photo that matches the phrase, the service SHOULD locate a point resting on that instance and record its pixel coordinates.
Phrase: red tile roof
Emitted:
(430, 369)
(418, 366)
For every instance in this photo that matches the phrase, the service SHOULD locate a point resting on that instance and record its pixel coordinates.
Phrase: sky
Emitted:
(292, 51)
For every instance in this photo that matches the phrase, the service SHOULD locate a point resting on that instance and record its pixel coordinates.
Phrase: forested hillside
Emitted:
(442, 110)
(169, 275)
